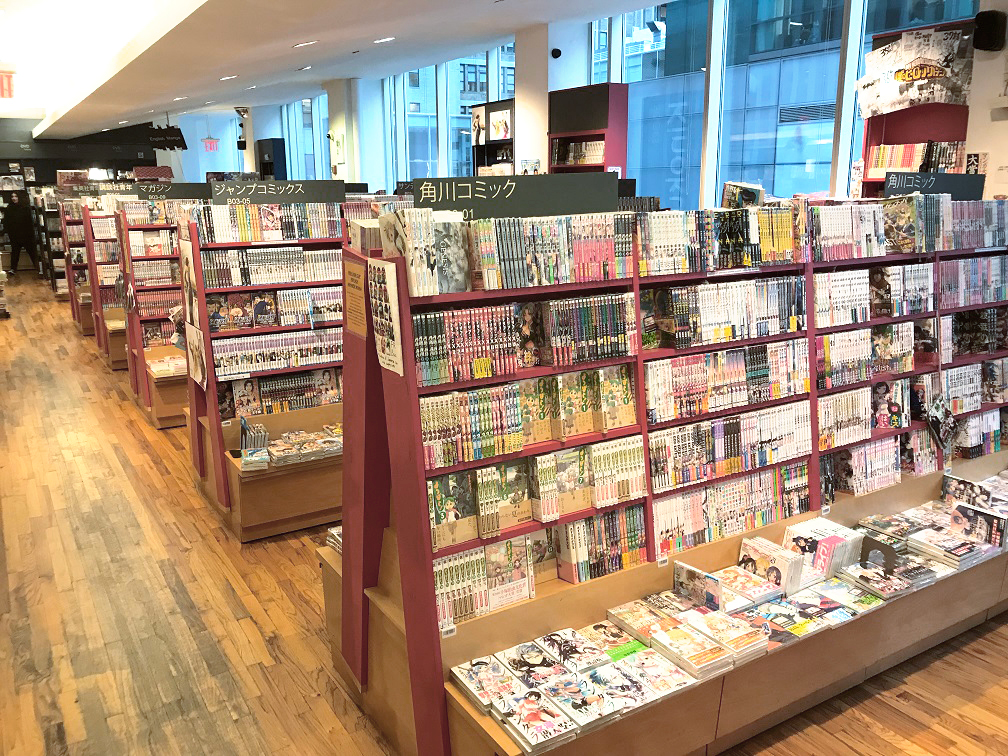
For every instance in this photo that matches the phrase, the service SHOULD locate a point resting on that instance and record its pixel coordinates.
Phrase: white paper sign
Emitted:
(383, 290)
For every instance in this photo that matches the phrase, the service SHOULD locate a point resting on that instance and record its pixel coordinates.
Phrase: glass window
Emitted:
(600, 51)
(414, 107)
(507, 71)
(779, 94)
(308, 140)
(421, 128)
(414, 79)
(467, 86)
(644, 44)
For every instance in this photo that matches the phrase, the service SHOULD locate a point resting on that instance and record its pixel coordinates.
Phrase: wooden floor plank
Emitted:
(132, 623)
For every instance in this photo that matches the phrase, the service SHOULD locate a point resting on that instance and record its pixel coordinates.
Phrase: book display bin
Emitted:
(260, 503)
(588, 129)
(75, 255)
(494, 145)
(381, 605)
(107, 308)
(161, 397)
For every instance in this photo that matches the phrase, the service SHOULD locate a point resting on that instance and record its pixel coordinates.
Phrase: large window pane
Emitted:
(600, 51)
(421, 125)
(779, 95)
(507, 71)
(467, 86)
(644, 44)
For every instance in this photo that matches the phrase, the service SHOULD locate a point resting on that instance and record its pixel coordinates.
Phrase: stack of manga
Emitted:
(715, 313)
(248, 354)
(724, 446)
(223, 268)
(844, 418)
(683, 387)
(222, 224)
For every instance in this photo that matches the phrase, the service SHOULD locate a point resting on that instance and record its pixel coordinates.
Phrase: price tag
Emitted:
(238, 377)
(825, 509)
(448, 631)
(225, 424)
(663, 560)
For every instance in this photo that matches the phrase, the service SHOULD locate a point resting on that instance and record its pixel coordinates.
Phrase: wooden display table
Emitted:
(114, 339)
(83, 317)
(169, 395)
(710, 716)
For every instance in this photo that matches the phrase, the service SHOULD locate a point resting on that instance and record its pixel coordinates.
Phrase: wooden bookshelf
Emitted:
(385, 629)
(77, 272)
(594, 113)
(281, 499)
(110, 321)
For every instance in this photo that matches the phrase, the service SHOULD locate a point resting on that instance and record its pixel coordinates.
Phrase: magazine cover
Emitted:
(218, 312)
(487, 681)
(246, 397)
(507, 571)
(789, 616)
(264, 308)
(747, 584)
(640, 620)
(536, 719)
(847, 595)
(451, 244)
(629, 691)
(240, 310)
(532, 344)
(328, 384)
(817, 606)
(573, 650)
(902, 234)
(735, 634)
(700, 587)
(225, 400)
(881, 291)
(776, 634)
(582, 700)
(655, 671)
(531, 664)
(612, 639)
(270, 221)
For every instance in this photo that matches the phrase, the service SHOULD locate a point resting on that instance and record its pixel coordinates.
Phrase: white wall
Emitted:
(573, 39)
(370, 130)
(531, 95)
(988, 123)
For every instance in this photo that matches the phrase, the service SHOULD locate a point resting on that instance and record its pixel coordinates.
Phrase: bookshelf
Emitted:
(148, 326)
(108, 310)
(75, 257)
(939, 122)
(493, 150)
(280, 499)
(382, 610)
(588, 129)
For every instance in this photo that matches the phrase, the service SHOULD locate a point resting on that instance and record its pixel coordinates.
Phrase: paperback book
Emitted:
(853, 598)
(573, 650)
(536, 722)
(586, 703)
(486, 682)
(655, 672)
(531, 664)
(612, 639)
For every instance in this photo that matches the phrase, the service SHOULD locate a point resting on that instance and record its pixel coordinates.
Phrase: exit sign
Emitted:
(210, 144)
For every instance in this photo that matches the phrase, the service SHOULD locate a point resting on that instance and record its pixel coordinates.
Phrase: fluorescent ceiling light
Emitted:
(305, 44)
(176, 99)
(252, 87)
(304, 68)
(210, 103)
(104, 129)
(122, 122)
(227, 78)
(383, 39)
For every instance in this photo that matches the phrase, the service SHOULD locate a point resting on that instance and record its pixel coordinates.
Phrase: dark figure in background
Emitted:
(17, 222)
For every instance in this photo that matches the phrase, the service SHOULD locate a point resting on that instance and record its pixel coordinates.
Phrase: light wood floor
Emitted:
(132, 623)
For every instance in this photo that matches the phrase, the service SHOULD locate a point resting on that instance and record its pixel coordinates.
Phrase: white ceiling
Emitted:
(200, 41)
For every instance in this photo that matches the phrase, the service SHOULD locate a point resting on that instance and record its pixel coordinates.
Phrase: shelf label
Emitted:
(448, 631)
(520, 196)
(824, 510)
(663, 560)
(354, 309)
(166, 190)
(275, 192)
(962, 186)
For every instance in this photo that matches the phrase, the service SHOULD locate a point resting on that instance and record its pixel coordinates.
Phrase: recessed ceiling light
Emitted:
(211, 102)
(176, 99)
(383, 39)
(104, 129)
(305, 44)
(150, 111)
(252, 87)
(304, 68)
(226, 78)
(122, 122)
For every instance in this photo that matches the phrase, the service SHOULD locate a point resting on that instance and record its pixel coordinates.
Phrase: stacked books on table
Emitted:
(168, 366)
(949, 548)
(304, 446)
(254, 459)
(334, 538)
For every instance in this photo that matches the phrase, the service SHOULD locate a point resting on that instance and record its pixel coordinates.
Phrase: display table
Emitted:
(113, 339)
(169, 395)
(710, 716)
